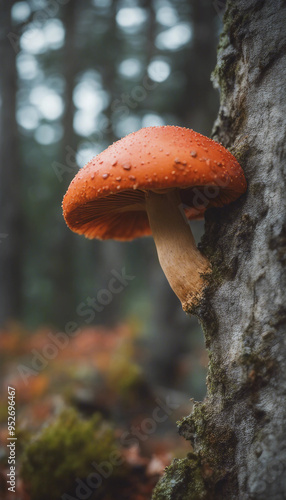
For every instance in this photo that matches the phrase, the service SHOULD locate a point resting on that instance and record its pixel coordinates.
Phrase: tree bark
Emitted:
(238, 432)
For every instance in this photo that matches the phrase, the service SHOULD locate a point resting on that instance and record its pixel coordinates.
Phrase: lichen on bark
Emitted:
(238, 434)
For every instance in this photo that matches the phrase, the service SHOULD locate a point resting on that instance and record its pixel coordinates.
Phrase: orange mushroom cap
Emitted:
(106, 198)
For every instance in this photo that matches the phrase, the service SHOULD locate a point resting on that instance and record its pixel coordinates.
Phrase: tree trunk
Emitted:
(238, 433)
(11, 227)
(62, 247)
(201, 109)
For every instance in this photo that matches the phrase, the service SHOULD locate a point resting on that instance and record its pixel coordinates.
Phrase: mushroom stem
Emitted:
(181, 261)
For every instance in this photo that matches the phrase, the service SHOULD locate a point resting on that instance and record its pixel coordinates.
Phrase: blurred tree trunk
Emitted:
(165, 347)
(63, 249)
(11, 227)
(238, 432)
(169, 330)
(111, 253)
(202, 106)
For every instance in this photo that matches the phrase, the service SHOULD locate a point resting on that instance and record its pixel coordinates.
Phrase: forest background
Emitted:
(76, 76)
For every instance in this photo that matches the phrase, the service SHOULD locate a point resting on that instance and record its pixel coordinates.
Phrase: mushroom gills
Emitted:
(180, 259)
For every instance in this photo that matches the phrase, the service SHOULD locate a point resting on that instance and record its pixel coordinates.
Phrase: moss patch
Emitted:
(64, 453)
(183, 480)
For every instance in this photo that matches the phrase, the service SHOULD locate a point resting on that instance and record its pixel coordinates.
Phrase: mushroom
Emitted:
(154, 181)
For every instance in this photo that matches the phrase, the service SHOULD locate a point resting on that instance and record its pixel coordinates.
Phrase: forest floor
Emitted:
(98, 372)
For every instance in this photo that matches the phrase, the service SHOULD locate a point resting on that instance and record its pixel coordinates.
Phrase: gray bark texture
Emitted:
(238, 433)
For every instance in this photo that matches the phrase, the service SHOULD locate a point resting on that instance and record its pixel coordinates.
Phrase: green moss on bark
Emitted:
(183, 480)
(242, 309)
